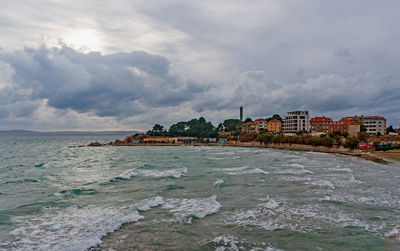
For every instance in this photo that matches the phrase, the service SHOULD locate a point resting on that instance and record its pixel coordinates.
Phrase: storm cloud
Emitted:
(131, 64)
(119, 84)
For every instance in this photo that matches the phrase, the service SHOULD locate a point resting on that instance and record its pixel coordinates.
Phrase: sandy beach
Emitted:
(392, 155)
(376, 156)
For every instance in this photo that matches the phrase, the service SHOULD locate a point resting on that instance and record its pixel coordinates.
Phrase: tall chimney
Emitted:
(241, 114)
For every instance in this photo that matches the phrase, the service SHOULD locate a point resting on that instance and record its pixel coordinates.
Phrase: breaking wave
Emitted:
(187, 209)
(175, 173)
(72, 228)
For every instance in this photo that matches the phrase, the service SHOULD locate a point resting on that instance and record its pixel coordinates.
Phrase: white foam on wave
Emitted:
(176, 173)
(266, 249)
(296, 172)
(359, 199)
(234, 169)
(72, 228)
(226, 242)
(250, 150)
(149, 203)
(321, 183)
(222, 158)
(347, 170)
(186, 209)
(297, 179)
(298, 169)
(218, 182)
(223, 153)
(302, 218)
(297, 165)
(242, 170)
(271, 204)
(394, 233)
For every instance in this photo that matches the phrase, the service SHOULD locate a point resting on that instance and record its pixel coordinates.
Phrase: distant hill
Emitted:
(28, 132)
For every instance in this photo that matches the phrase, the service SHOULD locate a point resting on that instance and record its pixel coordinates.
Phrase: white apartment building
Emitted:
(374, 124)
(296, 121)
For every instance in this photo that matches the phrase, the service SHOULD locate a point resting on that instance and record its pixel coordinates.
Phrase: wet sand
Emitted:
(392, 155)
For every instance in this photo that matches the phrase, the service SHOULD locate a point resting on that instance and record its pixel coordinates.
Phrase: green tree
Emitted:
(231, 125)
(158, 130)
(248, 120)
(390, 129)
(276, 116)
(178, 129)
(194, 128)
(220, 127)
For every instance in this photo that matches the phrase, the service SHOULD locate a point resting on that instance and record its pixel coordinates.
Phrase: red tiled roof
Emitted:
(348, 121)
(320, 119)
(250, 123)
(364, 117)
(259, 120)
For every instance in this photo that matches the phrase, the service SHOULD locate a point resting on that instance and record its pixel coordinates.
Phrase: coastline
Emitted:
(378, 157)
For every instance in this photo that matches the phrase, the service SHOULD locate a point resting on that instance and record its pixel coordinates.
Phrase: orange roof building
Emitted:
(345, 125)
(249, 127)
(320, 124)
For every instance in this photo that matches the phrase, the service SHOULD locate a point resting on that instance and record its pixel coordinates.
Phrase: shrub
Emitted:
(345, 134)
(268, 139)
(334, 133)
(327, 141)
(338, 139)
(247, 137)
(363, 136)
(351, 142)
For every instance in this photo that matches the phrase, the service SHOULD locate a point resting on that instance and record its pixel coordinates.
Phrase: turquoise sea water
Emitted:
(56, 197)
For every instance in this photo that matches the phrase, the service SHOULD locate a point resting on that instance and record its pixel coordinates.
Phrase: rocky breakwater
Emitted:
(126, 142)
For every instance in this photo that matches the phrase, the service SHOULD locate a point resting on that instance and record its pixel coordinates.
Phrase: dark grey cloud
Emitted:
(334, 58)
(119, 84)
(330, 95)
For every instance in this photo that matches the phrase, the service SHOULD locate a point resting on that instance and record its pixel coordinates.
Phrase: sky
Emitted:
(126, 65)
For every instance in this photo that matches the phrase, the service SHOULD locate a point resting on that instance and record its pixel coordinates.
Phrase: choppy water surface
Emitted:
(53, 197)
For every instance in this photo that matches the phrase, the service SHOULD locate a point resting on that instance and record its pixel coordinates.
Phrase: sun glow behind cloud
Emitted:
(84, 39)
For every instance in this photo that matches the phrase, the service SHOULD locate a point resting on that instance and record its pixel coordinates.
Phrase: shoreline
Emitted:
(378, 157)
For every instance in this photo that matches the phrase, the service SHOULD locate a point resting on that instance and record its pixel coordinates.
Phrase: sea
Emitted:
(55, 195)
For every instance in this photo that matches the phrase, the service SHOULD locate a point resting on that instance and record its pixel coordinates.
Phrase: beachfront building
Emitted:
(345, 125)
(274, 125)
(261, 124)
(296, 121)
(168, 140)
(374, 124)
(320, 124)
(249, 127)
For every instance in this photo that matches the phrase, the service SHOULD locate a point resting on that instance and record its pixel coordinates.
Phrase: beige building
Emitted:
(249, 127)
(261, 124)
(274, 125)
